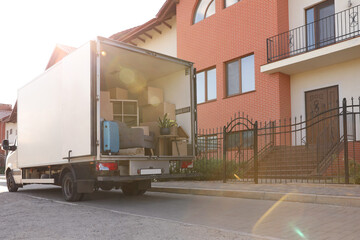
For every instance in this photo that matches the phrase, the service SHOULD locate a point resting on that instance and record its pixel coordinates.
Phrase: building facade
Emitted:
(226, 41)
(320, 53)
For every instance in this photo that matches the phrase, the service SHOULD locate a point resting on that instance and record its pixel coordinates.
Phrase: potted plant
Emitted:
(165, 124)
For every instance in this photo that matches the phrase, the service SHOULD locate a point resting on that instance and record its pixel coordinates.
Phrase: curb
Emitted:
(260, 195)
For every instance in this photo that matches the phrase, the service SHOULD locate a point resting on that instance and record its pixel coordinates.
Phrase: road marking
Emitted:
(47, 199)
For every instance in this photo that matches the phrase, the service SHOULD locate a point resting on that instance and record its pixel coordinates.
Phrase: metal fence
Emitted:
(323, 149)
(332, 29)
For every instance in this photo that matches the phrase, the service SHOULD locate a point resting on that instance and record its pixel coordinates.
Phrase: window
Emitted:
(204, 9)
(206, 85)
(242, 139)
(320, 22)
(208, 143)
(240, 75)
(10, 131)
(228, 3)
(7, 134)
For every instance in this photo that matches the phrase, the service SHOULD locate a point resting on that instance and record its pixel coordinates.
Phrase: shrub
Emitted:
(2, 170)
(213, 169)
(354, 171)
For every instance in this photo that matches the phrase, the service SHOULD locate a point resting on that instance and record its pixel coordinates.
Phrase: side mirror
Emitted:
(5, 145)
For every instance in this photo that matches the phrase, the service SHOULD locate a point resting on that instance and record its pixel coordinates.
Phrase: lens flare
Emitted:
(298, 231)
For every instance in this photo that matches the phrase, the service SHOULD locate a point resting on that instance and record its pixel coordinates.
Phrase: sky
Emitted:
(30, 30)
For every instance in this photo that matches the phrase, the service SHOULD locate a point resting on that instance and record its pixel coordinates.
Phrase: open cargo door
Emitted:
(133, 70)
(56, 112)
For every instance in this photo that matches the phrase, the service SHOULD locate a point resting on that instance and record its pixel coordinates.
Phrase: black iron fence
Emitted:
(332, 29)
(323, 149)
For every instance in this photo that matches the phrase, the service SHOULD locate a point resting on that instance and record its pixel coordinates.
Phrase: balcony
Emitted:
(311, 45)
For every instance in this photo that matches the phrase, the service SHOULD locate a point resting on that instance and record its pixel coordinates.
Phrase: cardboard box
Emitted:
(145, 128)
(132, 152)
(182, 146)
(151, 96)
(106, 107)
(153, 127)
(181, 132)
(151, 113)
(118, 93)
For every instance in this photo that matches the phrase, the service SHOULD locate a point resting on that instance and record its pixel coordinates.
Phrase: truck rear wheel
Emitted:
(69, 188)
(10, 181)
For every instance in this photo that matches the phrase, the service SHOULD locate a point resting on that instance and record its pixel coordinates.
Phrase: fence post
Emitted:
(256, 163)
(224, 155)
(346, 155)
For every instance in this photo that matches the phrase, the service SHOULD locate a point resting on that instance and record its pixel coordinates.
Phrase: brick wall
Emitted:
(337, 167)
(230, 33)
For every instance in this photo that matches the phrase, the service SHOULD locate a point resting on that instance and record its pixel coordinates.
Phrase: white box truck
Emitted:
(60, 127)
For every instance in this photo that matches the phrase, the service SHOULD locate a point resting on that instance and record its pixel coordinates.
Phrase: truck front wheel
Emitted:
(11, 185)
(69, 188)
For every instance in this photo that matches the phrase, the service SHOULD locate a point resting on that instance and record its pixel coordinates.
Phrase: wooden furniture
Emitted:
(126, 111)
(165, 145)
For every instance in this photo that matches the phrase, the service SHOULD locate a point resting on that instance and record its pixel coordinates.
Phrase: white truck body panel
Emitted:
(53, 115)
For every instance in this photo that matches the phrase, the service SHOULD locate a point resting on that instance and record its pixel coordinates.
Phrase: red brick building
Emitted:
(232, 33)
(227, 41)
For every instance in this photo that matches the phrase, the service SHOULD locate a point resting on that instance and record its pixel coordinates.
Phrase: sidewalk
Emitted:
(333, 194)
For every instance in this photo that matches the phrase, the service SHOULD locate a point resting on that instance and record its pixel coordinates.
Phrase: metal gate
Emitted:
(287, 150)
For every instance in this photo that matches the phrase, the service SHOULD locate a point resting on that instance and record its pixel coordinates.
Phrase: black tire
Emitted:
(69, 188)
(131, 189)
(10, 182)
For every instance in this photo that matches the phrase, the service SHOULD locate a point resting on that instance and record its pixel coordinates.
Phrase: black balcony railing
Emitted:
(330, 30)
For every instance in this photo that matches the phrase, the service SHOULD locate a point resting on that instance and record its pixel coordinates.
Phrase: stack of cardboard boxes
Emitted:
(151, 107)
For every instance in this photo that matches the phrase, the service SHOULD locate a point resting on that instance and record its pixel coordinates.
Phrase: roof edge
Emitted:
(166, 11)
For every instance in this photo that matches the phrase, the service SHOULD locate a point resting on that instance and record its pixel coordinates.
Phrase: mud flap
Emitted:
(85, 186)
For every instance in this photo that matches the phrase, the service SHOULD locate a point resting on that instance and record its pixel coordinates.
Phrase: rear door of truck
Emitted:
(57, 111)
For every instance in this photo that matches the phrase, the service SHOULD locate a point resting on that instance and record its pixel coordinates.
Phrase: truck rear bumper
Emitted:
(144, 177)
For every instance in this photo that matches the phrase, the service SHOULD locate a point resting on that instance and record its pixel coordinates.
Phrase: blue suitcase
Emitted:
(111, 140)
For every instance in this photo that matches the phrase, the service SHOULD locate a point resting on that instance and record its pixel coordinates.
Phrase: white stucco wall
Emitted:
(297, 9)
(165, 42)
(177, 90)
(11, 127)
(345, 75)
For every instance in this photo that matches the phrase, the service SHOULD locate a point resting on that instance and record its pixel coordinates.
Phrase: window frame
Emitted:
(206, 85)
(206, 147)
(241, 134)
(240, 77)
(224, 5)
(205, 12)
(316, 29)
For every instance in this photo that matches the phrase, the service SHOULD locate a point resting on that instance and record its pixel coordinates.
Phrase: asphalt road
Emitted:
(111, 215)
